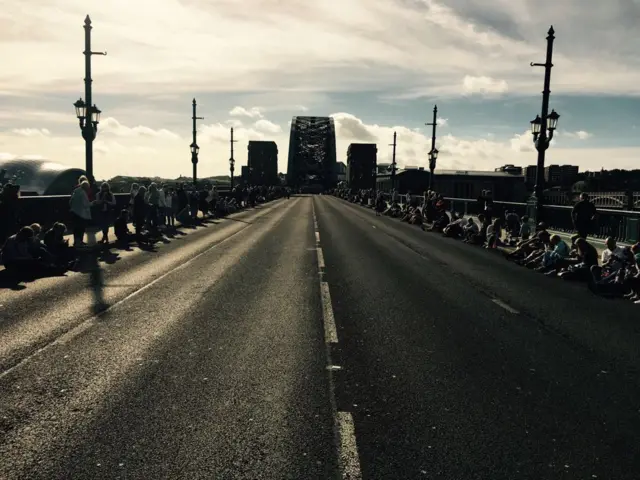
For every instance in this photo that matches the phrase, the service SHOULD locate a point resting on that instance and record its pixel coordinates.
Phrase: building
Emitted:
(560, 175)
(459, 183)
(341, 168)
(244, 174)
(361, 165)
(530, 176)
(262, 161)
(510, 169)
(40, 177)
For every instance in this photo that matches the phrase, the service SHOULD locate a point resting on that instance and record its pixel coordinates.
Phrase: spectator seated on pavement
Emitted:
(494, 234)
(58, 247)
(455, 229)
(611, 279)
(578, 266)
(18, 257)
(416, 217)
(479, 237)
(469, 229)
(527, 247)
(525, 228)
(512, 222)
(632, 281)
(555, 257)
(441, 221)
(613, 259)
(121, 228)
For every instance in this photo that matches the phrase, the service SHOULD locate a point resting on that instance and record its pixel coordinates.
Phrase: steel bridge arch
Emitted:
(312, 153)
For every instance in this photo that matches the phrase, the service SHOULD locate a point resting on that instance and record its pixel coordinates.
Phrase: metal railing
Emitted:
(623, 225)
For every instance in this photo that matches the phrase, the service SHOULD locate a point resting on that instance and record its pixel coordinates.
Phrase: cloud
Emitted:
(522, 142)
(442, 122)
(253, 112)
(267, 126)
(483, 85)
(580, 135)
(111, 126)
(348, 125)
(400, 46)
(31, 132)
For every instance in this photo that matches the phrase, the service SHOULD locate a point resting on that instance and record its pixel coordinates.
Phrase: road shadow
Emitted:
(15, 280)
(241, 221)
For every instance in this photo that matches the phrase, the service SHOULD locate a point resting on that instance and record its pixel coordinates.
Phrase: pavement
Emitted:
(310, 339)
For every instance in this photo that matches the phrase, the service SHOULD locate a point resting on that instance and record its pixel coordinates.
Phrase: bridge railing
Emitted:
(48, 209)
(623, 225)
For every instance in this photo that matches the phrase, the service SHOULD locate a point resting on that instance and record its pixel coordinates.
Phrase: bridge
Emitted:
(312, 153)
(310, 338)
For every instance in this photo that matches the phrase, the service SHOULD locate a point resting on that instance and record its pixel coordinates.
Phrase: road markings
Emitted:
(343, 425)
(349, 460)
(508, 308)
(374, 226)
(91, 321)
(330, 332)
(320, 258)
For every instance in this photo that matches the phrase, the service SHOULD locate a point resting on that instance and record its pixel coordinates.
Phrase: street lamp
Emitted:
(194, 144)
(393, 163)
(88, 114)
(433, 154)
(543, 126)
(232, 161)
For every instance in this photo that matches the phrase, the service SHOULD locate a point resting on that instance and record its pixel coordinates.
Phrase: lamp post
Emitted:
(232, 162)
(195, 149)
(393, 163)
(433, 154)
(543, 126)
(88, 114)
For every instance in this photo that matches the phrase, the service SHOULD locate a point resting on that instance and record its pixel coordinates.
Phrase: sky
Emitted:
(376, 66)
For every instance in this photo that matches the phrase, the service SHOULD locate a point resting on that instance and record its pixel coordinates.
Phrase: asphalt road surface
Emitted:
(310, 339)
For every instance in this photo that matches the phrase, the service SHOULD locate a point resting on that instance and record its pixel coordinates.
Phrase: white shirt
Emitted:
(607, 254)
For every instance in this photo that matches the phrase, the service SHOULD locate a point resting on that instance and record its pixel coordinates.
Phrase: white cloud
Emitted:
(31, 132)
(317, 46)
(523, 142)
(442, 122)
(483, 85)
(267, 126)
(112, 126)
(253, 112)
(580, 135)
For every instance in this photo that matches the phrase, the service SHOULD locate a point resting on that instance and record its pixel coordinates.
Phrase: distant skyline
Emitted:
(376, 66)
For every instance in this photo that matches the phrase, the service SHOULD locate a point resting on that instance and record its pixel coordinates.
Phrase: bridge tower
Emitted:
(312, 153)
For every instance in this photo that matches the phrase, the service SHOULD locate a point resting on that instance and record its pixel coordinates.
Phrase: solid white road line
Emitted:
(320, 258)
(317, 237)
(348, 460)
(508, 308)
(330, 332)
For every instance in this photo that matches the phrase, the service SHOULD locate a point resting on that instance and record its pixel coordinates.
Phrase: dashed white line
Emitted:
(330, 332)
(349, 461)
(343, 425)
(508, 308)
(320, 258)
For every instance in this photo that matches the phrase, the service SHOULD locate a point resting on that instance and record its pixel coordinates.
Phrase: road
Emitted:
(310, 339)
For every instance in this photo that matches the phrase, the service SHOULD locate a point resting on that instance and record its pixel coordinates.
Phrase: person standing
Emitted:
(583, 215)
(80, 207)
(106, 201)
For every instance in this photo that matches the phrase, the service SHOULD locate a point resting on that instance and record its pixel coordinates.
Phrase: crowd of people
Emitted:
(153, 211)
(613, 273)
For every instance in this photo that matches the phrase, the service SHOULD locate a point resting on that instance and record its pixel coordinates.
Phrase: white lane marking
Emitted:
(330, 332)
(374, 226)
(508, 308)
(343, 425)
(320, 258)
(317, 237)
(348, 460)
(88, 323)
